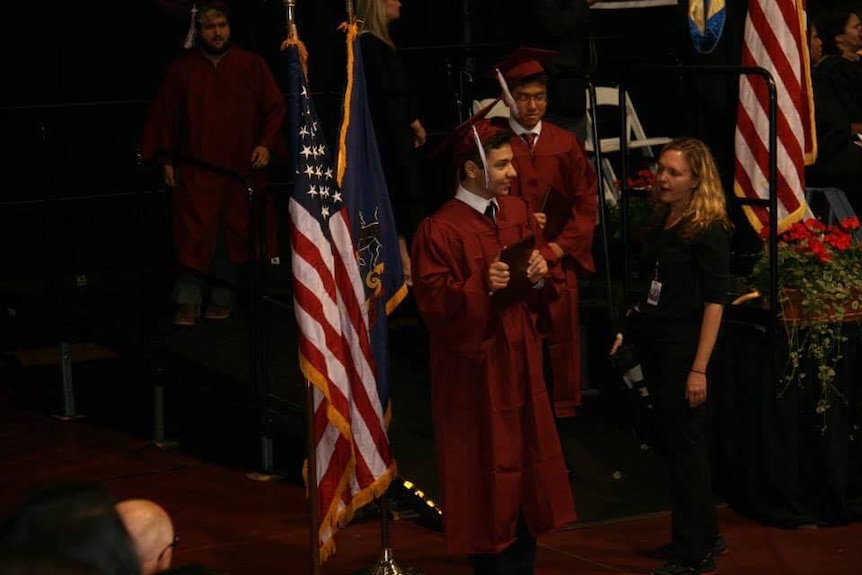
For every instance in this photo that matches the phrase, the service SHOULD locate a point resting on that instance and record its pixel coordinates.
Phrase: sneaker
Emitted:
(719, 547)
(705, 566)
(669, 550)
(665, 552)
(215, 311)
(187, 314)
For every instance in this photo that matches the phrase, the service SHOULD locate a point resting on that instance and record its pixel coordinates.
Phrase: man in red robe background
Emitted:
(551, 160)
(501, 466)
(219, 104)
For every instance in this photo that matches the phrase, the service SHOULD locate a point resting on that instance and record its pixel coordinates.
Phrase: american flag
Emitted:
(342, 266)
(775, 39)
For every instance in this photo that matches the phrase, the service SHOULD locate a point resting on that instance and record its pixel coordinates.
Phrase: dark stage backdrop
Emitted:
(80, 76)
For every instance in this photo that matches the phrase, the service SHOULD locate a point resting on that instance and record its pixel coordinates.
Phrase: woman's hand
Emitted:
(695, 389)
(617, 343)
(405, 261)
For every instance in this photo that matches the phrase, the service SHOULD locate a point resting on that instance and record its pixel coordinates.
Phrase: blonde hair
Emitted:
(707, 203)
(373, 15)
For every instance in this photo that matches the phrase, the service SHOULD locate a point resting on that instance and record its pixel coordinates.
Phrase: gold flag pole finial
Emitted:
(293, 35)
(290, 6)
(351, 16)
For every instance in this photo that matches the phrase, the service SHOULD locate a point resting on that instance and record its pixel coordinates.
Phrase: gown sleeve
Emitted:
(576, 239)
(161, 130)
(272, 108)
(452, 298)
(711, 252)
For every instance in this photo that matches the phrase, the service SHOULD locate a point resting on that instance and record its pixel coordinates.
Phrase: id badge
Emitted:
(654, 292)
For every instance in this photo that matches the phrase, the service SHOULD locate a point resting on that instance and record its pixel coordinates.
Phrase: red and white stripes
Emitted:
(776, 40)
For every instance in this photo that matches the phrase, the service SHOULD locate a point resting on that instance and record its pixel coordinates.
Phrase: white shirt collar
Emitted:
(478, 203)
(520, 130)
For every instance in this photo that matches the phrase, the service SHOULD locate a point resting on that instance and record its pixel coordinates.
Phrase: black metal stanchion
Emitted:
(55, 281)
(257, 357)
(69, 410)
(386, 565)
(255, 300)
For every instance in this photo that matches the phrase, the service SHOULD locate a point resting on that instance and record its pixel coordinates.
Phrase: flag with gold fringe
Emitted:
(776, 40)
(347, 277)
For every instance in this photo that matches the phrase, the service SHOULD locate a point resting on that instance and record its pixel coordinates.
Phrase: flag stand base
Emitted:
(387, 566)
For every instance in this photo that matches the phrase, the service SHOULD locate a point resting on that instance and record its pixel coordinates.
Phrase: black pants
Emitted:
(191, 288)
(519, 558)
(680, 438)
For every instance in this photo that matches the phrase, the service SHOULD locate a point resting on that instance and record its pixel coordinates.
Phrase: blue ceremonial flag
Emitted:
(360, 174)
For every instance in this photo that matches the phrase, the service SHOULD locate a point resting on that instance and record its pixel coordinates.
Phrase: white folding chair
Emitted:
(501, 110)
(839, 206)
(636, 138)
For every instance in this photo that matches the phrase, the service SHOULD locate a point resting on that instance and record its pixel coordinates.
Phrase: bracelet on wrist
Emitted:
(698, 371)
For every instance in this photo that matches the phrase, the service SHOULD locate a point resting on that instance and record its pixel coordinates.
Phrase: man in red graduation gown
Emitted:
(551, 161)
(219, 104)
(501, 466)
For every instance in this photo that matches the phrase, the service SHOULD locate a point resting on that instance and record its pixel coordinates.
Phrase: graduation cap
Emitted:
(471, 136)
(524, 62)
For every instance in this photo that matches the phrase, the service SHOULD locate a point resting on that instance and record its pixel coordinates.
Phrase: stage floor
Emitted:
(210, 403)
(234, 525)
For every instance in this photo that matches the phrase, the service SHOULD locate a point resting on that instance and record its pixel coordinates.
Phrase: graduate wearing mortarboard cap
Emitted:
(218, 104)
(550, 160)
(501, 466)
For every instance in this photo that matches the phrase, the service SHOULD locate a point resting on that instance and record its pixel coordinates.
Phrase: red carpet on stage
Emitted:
(235, 525)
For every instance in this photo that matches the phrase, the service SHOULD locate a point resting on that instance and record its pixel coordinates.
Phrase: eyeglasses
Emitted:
(170, 545)
(537, 98)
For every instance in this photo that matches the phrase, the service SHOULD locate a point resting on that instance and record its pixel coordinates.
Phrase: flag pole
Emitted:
(311, 447)
(311, 476)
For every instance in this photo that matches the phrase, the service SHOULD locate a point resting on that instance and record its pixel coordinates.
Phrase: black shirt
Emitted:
(692, 272)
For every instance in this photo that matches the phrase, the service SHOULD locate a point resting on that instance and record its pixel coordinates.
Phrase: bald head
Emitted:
(151, 531)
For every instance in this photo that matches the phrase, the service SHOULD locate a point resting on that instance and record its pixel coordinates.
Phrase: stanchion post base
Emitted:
(387, 566)
(264, 476)
(64, 417)
(165, 443)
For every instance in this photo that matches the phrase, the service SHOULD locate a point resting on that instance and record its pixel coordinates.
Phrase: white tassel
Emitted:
(507, 95)
(482, 156)
(190, 35)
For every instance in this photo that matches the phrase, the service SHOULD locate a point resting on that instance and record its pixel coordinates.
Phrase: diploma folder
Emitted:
(517, 255)
(557, 209)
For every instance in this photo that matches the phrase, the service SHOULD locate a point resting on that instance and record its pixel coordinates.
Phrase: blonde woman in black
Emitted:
(684, 263)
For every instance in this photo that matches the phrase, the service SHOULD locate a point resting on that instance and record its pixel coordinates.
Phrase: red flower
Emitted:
(850, 223)
(838, 239)
(819, 250)
(799, 231)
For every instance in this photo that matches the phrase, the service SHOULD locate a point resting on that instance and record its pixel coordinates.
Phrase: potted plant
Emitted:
(819, 289)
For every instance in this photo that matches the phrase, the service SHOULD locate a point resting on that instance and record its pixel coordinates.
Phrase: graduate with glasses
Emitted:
(558, 182)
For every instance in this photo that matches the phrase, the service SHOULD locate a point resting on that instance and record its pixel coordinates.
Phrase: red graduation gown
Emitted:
(497, 447)
(558, 160)
(217, 114)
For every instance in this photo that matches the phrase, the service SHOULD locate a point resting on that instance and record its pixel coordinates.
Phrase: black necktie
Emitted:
(491, 211)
